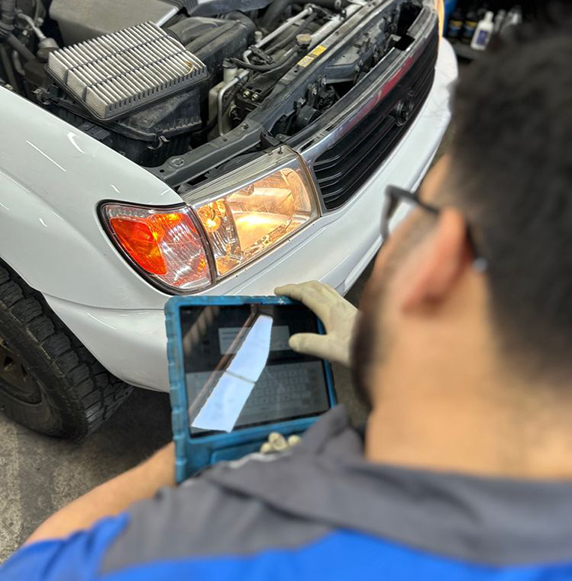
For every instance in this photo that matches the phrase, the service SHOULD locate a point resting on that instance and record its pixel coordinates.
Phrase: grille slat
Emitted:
(118, 72)
(349, 163)
(363, 165)
(375, 139)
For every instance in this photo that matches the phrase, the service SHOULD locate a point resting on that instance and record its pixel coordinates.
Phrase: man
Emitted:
(463, 349)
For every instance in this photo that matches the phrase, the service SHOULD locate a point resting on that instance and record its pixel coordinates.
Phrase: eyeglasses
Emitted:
(394, 196)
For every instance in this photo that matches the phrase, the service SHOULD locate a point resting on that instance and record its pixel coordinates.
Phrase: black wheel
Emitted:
(49, 381)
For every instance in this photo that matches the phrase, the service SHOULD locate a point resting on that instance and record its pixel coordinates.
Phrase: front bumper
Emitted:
(336, 249)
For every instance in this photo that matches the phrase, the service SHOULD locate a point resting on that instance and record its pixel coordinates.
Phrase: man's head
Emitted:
(507, 180)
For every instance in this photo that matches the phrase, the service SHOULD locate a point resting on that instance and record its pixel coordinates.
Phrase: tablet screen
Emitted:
(240, 371)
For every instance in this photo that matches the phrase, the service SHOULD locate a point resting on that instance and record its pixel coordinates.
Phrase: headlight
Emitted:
(166, 245)
(248, 212)
(234, 219)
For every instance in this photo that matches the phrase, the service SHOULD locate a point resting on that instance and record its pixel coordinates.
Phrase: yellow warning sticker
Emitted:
(310, 58)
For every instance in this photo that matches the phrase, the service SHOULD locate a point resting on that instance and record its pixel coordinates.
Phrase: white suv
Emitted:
(178, 148)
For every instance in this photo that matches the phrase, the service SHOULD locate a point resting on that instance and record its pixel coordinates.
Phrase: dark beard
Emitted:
(366, 346)
(372, 341)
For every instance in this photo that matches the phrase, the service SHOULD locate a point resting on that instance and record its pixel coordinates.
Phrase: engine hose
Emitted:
(240, 17)
(189, 29)
(284, 61)
(24, 52)
(7, 16)
(11, 77)
(278, 7)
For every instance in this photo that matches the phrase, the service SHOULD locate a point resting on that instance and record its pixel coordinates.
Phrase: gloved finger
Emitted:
(277, 440)
(312, 344)
(294, 440)
(309, 294)
(280, 445)
(331, 290)
(294, 291)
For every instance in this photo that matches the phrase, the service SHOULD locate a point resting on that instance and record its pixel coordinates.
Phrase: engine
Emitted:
(154, 79)
(144, 90)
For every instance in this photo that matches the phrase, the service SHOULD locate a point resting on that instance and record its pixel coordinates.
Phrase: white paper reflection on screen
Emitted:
(229, 396)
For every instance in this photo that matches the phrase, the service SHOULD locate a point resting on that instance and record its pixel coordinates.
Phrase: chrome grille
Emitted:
(349, 163)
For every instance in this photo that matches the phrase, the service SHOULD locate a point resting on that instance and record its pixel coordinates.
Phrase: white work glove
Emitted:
(337, 315)
(278, 443)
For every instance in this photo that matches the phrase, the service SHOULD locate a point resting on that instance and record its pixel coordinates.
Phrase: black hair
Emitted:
(512, 177)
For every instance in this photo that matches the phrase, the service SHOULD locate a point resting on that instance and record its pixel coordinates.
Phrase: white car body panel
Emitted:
(53, 177)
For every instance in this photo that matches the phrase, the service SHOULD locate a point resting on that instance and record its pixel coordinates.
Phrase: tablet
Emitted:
(234, 378)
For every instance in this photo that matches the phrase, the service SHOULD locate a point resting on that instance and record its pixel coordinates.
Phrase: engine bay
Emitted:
(184, 87)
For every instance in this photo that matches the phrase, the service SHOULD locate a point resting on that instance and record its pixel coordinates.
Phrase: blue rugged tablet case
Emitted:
(194, 454)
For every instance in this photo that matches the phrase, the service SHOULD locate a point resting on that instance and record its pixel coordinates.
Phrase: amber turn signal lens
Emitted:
(138, 239)
(165, 244)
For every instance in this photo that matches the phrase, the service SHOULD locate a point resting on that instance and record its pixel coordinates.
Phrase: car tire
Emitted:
(49, 382)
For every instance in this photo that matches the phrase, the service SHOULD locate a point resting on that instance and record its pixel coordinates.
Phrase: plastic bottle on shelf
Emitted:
(483, 33)
(455, 25)
(471, 22)
(513, 18)
(499, 19)
(482, 11)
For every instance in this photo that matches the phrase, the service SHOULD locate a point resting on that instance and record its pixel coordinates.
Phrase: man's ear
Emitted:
(439, 262)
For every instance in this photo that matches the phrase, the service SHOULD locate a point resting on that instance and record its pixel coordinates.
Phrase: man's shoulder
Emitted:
(203, 518)
(243, 507)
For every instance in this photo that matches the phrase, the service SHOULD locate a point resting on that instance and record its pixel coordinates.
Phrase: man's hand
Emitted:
(278, 443)
(337, 315)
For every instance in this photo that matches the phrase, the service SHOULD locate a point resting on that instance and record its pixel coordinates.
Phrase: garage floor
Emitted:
(38, 475)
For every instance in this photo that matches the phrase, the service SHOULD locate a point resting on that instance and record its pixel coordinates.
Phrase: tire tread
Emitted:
(88, 391)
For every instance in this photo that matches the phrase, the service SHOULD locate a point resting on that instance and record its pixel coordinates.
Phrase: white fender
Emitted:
(53, 177)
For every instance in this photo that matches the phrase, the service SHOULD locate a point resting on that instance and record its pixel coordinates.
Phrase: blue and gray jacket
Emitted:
(321, 512)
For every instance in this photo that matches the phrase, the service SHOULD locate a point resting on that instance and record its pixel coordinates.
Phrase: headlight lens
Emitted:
(248, 212)
(165, 244)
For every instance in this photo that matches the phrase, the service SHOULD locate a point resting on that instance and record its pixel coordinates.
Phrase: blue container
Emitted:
(450, 6)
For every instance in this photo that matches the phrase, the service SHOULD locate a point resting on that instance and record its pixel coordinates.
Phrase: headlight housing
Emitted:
(231, 221)
(247, 213)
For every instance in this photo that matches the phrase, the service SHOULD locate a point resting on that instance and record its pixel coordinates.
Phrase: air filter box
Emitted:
(139, 84)
(119, 72)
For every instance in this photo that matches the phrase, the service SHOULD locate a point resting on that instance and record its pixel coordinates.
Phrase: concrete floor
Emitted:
(38, 475)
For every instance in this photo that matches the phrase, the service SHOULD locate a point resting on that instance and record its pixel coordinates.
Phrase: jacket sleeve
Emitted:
(77, 558)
